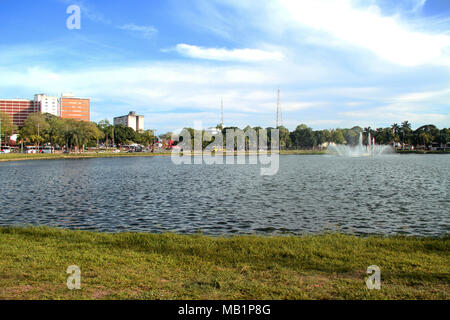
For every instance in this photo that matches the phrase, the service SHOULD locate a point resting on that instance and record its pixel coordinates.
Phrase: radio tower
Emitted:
(278, 106)
(281, 110)
(221, 102)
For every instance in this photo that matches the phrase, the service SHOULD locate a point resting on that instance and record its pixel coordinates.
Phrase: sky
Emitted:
(337, 63)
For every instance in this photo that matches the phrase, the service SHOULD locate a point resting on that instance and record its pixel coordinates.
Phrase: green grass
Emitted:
(421, 152)
(33, 262)
(22, 156)
(303, 152)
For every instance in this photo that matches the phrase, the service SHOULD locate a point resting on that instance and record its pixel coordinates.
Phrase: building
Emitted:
(132, 120)
(19, 109)
(213, 130)
(74, 108)
(67, 107)
(48, 104)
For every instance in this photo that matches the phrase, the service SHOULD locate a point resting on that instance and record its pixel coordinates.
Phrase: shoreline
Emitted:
(33, 263)
(91, 155)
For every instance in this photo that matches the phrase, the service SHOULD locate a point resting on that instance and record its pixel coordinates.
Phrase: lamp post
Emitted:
(154, 136)
(39, 138)
(113, 137)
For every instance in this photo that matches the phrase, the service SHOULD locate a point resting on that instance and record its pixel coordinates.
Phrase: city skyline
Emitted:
(67, 106)
(174, 62)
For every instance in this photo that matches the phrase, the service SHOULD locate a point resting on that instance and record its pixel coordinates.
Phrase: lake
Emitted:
(392, 194)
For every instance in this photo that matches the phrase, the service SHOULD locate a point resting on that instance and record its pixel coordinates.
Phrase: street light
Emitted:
(39, 142)
(154, 136)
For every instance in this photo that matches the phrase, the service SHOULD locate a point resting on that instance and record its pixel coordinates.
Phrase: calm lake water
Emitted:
(405, 194)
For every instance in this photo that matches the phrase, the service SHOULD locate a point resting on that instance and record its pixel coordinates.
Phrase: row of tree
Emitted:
(304, 137)
(40, 129)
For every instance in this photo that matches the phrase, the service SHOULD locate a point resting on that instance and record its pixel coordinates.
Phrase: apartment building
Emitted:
(74, 108)
(68, 107)
(132, 120)
(48, 104)
(19, 109)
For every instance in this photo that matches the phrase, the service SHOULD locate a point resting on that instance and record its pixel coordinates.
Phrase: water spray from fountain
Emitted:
(361, 150)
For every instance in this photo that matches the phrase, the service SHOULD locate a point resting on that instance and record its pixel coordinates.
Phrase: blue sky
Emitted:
(337, 63)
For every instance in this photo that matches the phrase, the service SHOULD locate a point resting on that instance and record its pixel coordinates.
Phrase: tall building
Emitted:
(48, 104)
(19, 109)
(74, 108)
(131, 120)
(67, 107)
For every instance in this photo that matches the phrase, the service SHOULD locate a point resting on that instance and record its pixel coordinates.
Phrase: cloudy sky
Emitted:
(337, 63)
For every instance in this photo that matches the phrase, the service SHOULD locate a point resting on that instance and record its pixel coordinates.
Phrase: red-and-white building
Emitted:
(19, 109)
(68, 107)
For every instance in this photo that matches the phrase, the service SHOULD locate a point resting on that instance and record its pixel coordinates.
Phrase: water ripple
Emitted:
(310, 194)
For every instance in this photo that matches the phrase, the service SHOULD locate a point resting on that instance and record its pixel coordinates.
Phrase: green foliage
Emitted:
(6, 127)
(305, 138)
(45, 128)
(122, 135)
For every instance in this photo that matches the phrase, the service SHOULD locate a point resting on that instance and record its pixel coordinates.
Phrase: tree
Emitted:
(406, 132)
(124, 135)
(426, 134)
(322, 136)
(351, 136)
(285, 138)
(303, 137)
(108, 130)
(34, 128)
(425, 138)
(6, 127)
(396, 130)
(146, 138)
(337, 136)
(55, 132)
(444, 136)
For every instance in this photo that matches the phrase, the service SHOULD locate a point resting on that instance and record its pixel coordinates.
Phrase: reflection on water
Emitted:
(384, 195)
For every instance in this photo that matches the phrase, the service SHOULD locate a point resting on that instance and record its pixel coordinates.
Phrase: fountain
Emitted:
(361, 150)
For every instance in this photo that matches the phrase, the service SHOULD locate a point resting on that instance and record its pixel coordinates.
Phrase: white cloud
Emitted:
(418, 5)
(322, 59)
(222, 54)
(424, 96)
(387, 37)
(383, 117)
(145, 31)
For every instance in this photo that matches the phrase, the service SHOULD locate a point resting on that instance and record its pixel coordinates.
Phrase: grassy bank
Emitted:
(87, 155)
(422, 152)
(33, 263)
(303, 152)
(22, 156)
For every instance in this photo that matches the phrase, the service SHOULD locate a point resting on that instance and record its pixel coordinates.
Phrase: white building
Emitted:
(213, 130)
(48, 104)
(132, 120)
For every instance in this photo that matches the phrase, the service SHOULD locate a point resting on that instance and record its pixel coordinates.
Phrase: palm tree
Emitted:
(368, 130)
(405, 131)
(406, 125)
(396, 130)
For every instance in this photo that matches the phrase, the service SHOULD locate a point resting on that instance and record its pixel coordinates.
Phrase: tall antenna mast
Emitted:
(278, 106)
(281, 110)
(222, 111)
